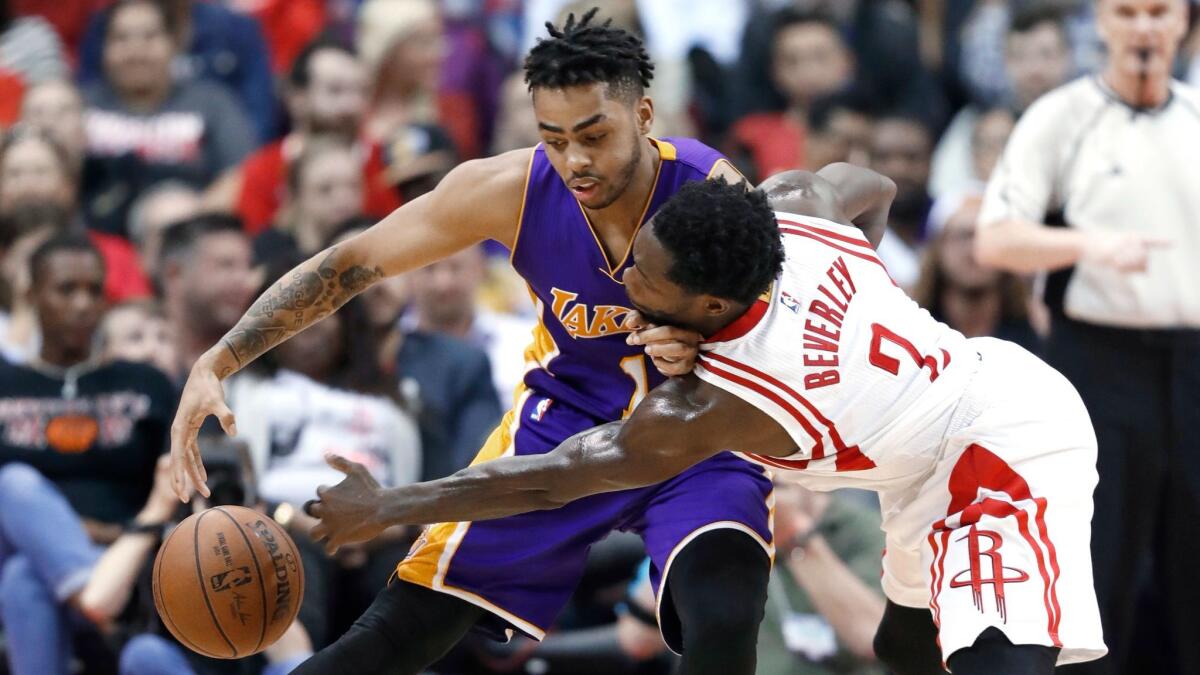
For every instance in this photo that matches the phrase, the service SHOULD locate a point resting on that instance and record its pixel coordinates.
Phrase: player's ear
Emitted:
(644, 109)
(714, 306)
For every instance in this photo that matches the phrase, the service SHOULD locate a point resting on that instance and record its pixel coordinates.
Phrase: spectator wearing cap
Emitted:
(146, 126)
(213, 44)
(326, 94)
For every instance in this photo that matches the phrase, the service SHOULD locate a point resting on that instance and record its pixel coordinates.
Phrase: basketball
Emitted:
(228, 582)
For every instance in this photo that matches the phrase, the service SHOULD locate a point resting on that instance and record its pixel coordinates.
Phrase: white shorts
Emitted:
(998, 535)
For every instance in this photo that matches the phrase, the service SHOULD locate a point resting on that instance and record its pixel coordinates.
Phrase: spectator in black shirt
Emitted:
(78, 445)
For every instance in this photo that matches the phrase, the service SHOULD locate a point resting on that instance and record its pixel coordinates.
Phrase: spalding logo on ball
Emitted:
(228, 582)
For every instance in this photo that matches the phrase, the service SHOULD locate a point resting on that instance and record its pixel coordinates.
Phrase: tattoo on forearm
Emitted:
(298, 300)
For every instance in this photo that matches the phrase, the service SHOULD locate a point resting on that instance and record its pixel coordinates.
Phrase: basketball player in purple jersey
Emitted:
(569, 210)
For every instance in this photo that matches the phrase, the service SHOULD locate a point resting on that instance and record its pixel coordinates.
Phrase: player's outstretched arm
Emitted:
(680, 423)
(478, 200)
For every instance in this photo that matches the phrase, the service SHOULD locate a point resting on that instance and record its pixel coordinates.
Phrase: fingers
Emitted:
(340, 463)
(195, 469)
(674, 368)
(666, 334)
(314, 508)
(634, 321)
(228, 422)
(1157, 242)
(670, 351)
(178, 443)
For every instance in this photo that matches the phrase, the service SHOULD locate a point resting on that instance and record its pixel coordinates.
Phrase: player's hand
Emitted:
(1123, 251)
(202, 396)
(673, 350)
(348, 512)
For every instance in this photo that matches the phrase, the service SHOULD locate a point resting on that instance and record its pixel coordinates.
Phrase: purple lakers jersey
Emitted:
(579, 355)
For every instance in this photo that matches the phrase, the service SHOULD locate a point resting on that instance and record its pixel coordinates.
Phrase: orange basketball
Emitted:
(228, 582)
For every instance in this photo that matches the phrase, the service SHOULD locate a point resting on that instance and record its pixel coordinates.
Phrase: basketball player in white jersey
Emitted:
(817, 363)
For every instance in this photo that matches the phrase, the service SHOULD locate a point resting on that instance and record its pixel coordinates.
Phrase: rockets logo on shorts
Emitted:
(994, 566)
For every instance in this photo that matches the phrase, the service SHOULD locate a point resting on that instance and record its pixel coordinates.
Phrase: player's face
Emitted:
(660, 300)
(68, 292)
(593, 140)
(1131, 28)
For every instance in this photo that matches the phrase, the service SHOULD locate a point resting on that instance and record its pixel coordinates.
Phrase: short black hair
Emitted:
(790, 16)
(62, 242)
(584, 52)
(723, 239)
(1031, 16)
(300, 74)
(180, 238)
(822, 110)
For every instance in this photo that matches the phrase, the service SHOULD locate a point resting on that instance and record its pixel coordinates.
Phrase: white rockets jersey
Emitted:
(862, 378)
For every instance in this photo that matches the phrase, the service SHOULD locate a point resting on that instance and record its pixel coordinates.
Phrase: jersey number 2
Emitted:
(880, 334)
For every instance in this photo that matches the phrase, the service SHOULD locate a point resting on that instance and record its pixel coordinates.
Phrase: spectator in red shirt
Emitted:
(35, 170)
(324, 190)
(326, 94)
(809, 60)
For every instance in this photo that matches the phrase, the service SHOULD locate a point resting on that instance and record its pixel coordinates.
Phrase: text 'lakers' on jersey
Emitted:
(860, 376)
(578, 355)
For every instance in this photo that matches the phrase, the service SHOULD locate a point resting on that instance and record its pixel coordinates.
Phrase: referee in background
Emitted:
(1099, 186)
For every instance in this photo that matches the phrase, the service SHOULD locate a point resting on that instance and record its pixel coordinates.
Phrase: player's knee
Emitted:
(19, 483)
(723, 621)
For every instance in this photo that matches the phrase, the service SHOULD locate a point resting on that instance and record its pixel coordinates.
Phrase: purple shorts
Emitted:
(524, 568)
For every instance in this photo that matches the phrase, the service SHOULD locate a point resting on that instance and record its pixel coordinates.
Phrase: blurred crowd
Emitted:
(163, 160)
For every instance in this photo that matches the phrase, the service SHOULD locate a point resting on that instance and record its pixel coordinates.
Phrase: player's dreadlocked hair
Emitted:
(582, 52)
(722, 238)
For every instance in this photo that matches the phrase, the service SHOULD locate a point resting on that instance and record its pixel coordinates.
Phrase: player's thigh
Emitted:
(1012, 552)
(725, 495)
